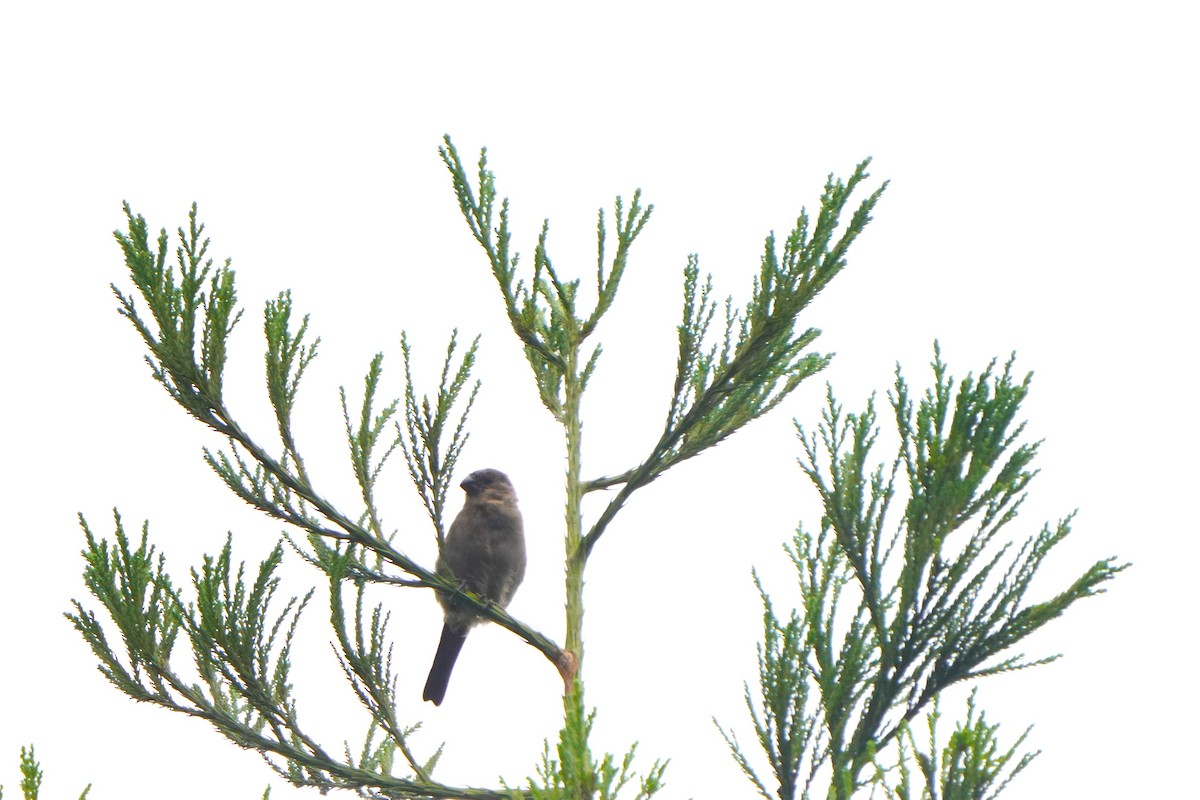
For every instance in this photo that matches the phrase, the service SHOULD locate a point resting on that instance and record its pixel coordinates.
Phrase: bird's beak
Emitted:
(469, 485)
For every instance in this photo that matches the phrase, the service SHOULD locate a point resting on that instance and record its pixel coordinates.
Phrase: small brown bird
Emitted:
(484, 553)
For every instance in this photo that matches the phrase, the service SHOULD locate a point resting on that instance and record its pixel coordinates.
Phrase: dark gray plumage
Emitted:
(484, 553)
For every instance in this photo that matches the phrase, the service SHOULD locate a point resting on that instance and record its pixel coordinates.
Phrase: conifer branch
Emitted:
(544, 314)
(31, 776)
(720, 386)
(241, 654)
(278, 486)
(242, 651)
(760, 357)
(892, 615)
(425, 426)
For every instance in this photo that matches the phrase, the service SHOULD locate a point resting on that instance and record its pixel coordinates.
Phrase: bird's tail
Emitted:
(443, 664)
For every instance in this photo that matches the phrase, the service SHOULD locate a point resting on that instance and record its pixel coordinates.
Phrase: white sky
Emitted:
(1043, 166)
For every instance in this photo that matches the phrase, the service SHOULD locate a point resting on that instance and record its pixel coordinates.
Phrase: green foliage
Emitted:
(178, 310)
(287, 357)
(760, 358)
(720, 384)
(785, 724)
(970, 767)
(241, 651)
(240, 641)
(890, 615)
(425, 426)
(574, 772)
(31, 777)
(544, 314)
(895, 606)
(132, 588)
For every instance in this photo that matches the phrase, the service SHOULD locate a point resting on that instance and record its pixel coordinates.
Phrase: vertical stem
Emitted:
(574, 512)
(579, 770)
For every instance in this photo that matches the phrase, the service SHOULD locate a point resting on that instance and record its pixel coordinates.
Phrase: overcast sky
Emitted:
(1043, 167)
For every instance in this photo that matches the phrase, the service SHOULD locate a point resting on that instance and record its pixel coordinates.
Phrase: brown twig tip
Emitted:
(567, 665)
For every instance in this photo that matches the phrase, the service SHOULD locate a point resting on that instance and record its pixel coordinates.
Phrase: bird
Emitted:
(484, 553)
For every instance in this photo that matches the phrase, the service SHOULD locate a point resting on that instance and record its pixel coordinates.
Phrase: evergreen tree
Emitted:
(892, 612)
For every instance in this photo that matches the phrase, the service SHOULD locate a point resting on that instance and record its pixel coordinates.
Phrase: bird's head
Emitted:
(488, 484)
